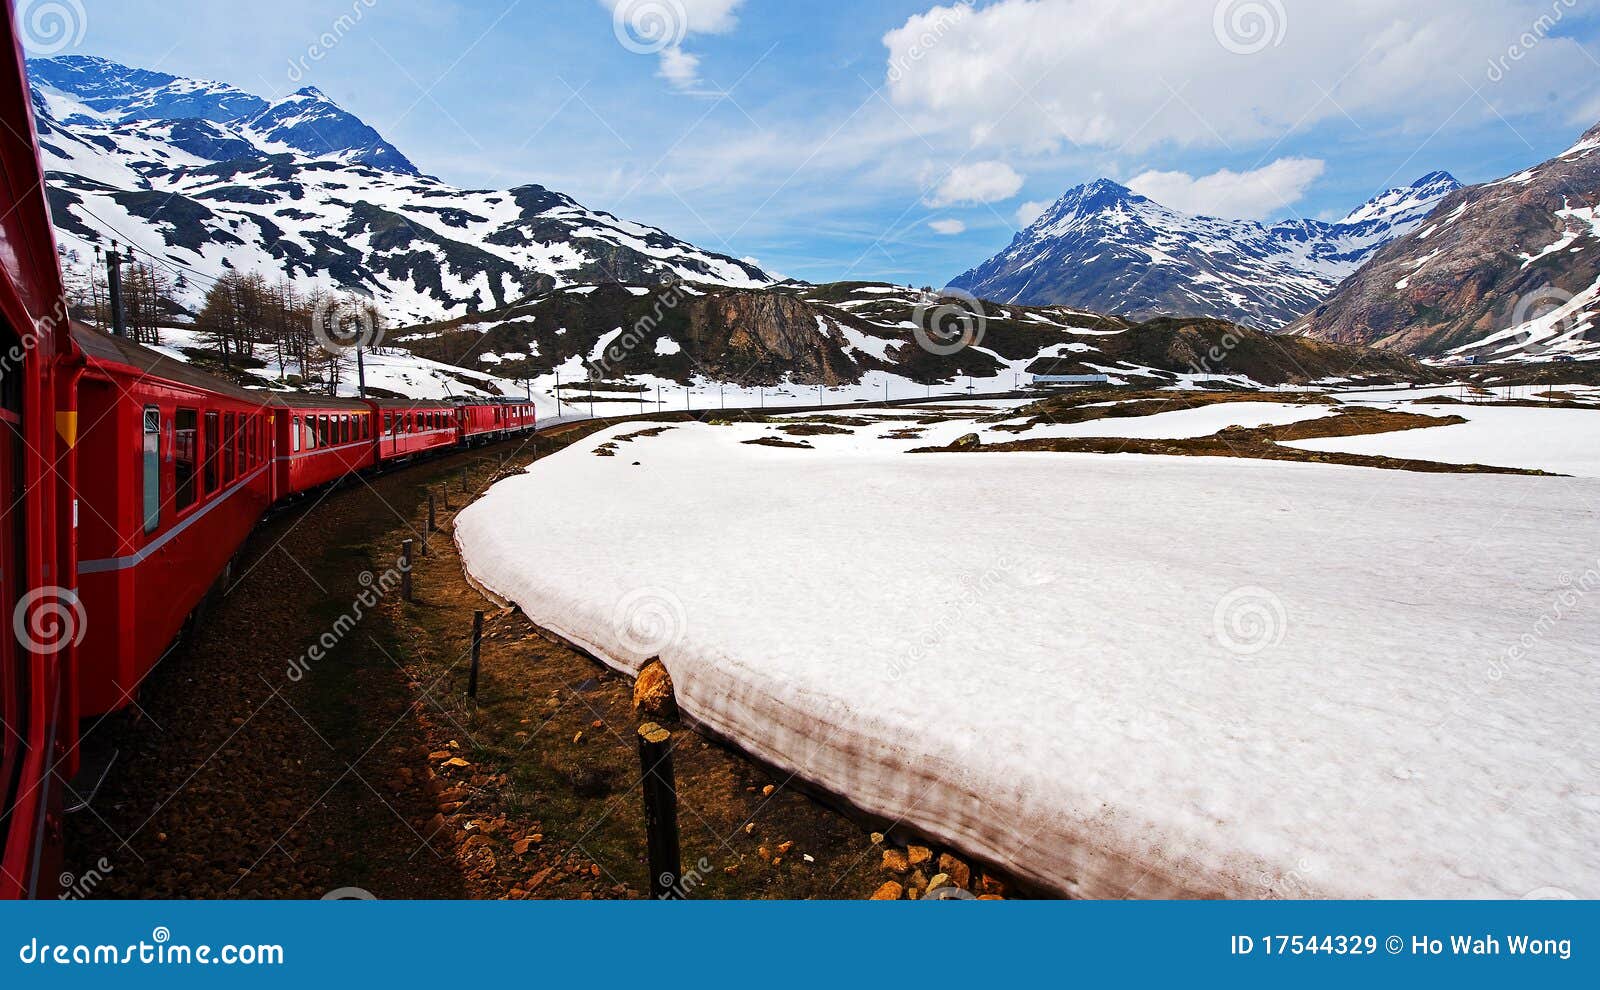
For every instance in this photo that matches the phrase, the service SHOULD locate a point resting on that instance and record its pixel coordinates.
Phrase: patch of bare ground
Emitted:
(1262, 443)
(778, 442)
(814, 429)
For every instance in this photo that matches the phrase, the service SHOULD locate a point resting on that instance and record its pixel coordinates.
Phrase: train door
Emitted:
(14, 665)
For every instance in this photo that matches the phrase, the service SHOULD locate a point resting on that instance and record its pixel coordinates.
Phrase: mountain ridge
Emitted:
(269, 189)
(1105, 248)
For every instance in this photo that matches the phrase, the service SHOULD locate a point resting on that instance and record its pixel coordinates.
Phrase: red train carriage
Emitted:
(182, 471)
(322, 439)
(494, 420)
(411, 427)
(38, 421)
(479, 423)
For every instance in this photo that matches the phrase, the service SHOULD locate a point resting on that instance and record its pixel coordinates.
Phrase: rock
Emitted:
(960, 873)
(919, 855)
(749, 828)
(918, 880)
(991, 885)
(940, 880)
(652, 693)
(877, 838)
(768, 790)
(890, 891)
(784, 847)
(895, 861)
(967, 442)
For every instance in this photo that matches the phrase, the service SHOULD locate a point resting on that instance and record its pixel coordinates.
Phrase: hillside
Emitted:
(855, 333)
(1506, 270)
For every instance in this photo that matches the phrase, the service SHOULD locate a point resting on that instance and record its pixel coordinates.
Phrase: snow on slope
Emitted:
(1304, 688)
(1564, 441)
(296, 189)
(1104, 248)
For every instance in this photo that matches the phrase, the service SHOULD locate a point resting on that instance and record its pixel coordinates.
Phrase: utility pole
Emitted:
(114, 260)
(94, 288)
(361, 373)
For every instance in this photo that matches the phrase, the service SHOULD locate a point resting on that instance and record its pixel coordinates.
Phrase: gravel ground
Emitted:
(253, 768)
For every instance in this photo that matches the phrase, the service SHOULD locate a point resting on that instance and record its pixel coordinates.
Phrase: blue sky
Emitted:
(900, 140)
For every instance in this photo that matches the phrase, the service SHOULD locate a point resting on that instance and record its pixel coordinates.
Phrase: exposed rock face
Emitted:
(758, 337)
(1505, 269)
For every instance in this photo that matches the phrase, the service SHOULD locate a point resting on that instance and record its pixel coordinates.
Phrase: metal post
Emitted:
(477, 650)
(660, 813)
(405, 569)
(433, 518)
(361, 372)
(114, 261)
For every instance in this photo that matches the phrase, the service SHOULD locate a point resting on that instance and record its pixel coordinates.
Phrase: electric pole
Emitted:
(94, 288)
(361, 373)
(114, 260)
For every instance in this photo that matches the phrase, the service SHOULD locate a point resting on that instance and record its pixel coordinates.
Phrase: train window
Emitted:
(228, 443)
(322, 431)
(241, 446)
(213, 448)
(184, 437)
(344, 429)
(294, 434)
(151, 464)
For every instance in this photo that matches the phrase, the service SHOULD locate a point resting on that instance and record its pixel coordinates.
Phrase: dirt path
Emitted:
(257, 766)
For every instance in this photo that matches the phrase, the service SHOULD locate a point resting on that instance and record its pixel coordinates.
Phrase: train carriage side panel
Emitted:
(182, 475)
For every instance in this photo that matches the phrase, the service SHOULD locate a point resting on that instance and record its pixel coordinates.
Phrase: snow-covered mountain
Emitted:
(209, 179)
(85, 90)
(1103, 247)
(1509, 270)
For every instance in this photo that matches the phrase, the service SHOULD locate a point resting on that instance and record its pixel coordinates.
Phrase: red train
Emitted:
(130, 481)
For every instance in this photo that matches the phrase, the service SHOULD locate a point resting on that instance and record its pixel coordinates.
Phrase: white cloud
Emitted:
(1030, 211)
(1035, 74)
(660, 27)
(979, 182)
(947, 228)
(679, 68)
(1252, 195)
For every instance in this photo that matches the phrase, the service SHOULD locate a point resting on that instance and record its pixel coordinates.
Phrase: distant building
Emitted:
(1072, 379)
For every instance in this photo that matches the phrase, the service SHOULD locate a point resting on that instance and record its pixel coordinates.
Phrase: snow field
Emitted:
(1117, 676)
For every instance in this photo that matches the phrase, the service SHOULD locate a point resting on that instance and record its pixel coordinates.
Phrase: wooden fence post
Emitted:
(405, 569)
(660, 813)
(477, 651)
(433, 517)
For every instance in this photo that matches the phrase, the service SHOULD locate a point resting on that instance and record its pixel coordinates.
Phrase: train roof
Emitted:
(120, 352)
(417, 404)
(103, 348)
